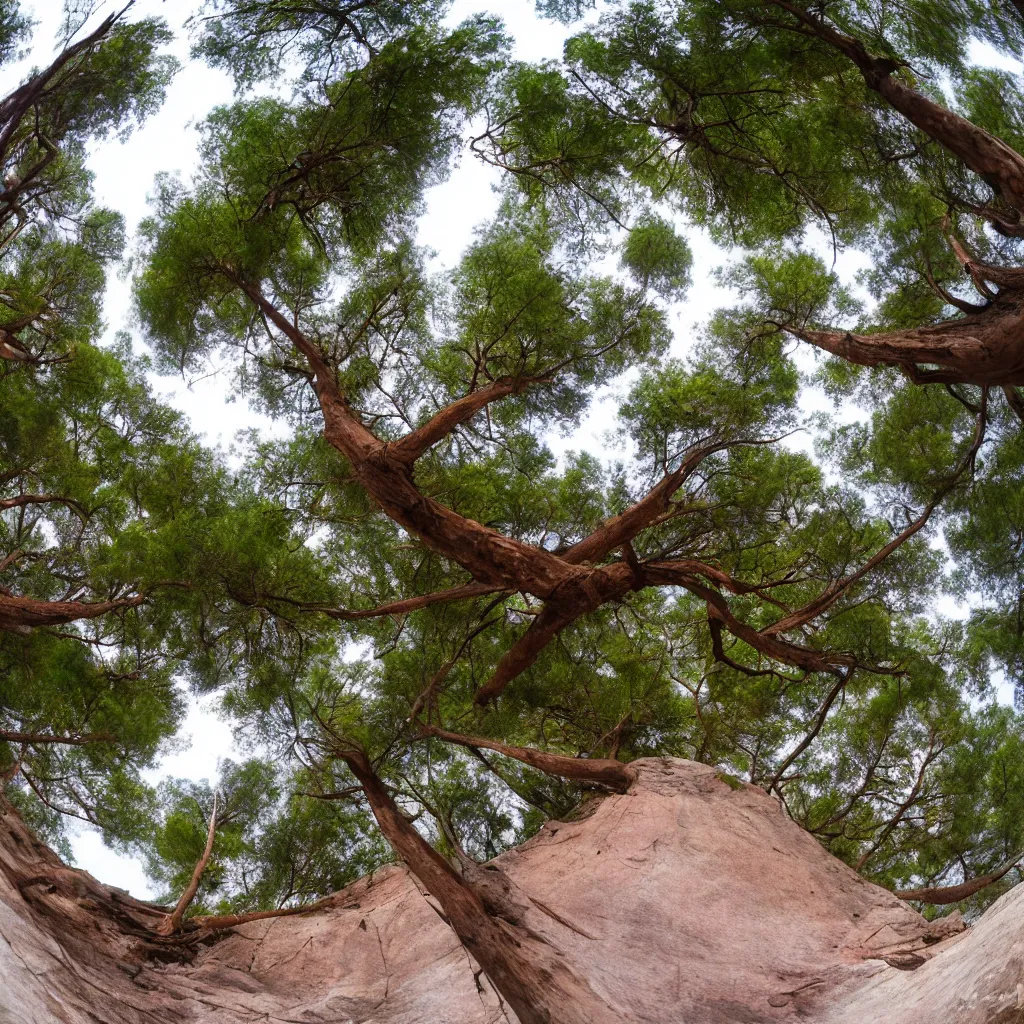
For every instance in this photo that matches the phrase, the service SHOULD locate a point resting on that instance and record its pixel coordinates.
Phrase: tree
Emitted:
(411, 609)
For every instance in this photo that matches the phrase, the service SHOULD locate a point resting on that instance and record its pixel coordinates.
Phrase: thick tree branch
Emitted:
(23, 500)
(1013, 399)
(409, 448)
(490, 557)
(214, 922)
(525, 651)
(985, 154)
(623, 528)
(525, 970)
(945, 894)
(982, 348)
(23, 614)
(614, 775)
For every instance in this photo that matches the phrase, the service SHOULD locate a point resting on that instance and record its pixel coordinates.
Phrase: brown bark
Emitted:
(614, 775)
(582, 595)
(985, 154)
(490, 557)
(570, 584)
(982, 348)
(623, 528)
(214, 921)
(986, 346)
(173, 921)
(409, 448)
(531, 975)
(943, 895)
(23, 500)
(23, 614)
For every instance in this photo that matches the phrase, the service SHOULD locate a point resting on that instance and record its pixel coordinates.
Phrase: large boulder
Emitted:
(691, 899)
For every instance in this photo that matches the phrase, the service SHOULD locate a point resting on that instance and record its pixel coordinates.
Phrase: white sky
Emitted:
(168, 142)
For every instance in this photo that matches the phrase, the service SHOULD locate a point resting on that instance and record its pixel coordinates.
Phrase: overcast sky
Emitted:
(125, 172)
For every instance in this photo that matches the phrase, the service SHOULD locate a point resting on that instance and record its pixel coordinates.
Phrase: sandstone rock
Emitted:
(687, 900)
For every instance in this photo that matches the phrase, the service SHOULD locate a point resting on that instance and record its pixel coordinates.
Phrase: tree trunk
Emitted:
(684, 900)
(531, 974)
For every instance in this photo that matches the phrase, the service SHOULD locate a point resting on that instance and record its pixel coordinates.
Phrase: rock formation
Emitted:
(690, 899)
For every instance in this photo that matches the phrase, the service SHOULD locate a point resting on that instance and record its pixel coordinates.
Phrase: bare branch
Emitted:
(612, 774)
(214, 922)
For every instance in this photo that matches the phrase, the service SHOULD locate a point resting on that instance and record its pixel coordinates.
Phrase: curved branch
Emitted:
(173, 920)
(662, 574)
(409, 448)
(836, 589)
(943, 895)
(988, 156)
(612, 774)
(43, 499)
(489, 556)
(212, 921)
(809, 736)
(23, 614)
(982, 348)
(623, 528)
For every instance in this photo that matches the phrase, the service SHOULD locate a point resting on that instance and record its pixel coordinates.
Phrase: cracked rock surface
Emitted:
(688, 900)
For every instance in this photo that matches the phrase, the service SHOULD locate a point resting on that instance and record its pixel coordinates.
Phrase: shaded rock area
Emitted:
(691, 899)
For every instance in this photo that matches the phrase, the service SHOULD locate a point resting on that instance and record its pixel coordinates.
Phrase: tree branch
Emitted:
(614, 775)
(945, 894)
(43, 499)
(409, 448)
(173, 920)
(490, 557)
(411, 604)
(23, 614)
(985, 154)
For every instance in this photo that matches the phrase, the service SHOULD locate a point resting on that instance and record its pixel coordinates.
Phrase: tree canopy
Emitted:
(428, 628)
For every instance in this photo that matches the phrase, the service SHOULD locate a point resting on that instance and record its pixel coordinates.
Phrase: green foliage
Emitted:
(656, 257)
(301, 222)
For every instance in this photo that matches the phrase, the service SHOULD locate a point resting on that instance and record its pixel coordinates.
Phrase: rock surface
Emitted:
(691, 899)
